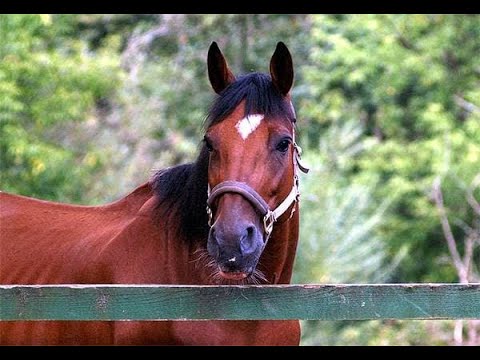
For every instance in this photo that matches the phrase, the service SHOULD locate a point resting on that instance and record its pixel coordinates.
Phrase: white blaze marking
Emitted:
(248, 124)
(232, 259)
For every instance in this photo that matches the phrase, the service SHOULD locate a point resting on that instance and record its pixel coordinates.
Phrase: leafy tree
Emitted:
(339, 243)
(415, 89)
(47, 82)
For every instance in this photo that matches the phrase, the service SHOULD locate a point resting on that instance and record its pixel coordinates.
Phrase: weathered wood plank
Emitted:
(176, 302)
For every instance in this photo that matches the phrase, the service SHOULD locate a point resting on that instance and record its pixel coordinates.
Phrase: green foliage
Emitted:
(46, 83)
(416, 91)
(377, 333)
(339, 243)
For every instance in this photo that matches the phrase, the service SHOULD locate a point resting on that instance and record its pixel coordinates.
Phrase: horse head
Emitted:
(253, 160)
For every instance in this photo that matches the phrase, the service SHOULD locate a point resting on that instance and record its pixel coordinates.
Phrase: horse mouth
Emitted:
(233, 275)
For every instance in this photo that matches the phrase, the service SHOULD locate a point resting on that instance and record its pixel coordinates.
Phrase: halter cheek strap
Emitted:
(241, 188)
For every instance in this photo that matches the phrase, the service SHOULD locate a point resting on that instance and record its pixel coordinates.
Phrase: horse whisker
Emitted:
(260, 275)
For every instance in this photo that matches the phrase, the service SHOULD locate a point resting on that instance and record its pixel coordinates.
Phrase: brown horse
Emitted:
(160, 233)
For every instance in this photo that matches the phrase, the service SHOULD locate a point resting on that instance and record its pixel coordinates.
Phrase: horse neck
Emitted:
(278, 258)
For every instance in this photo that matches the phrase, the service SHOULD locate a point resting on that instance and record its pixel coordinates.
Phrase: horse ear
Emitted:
(281, 69)
(219, 74)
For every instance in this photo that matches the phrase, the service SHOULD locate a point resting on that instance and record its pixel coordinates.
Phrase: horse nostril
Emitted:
(247, 242)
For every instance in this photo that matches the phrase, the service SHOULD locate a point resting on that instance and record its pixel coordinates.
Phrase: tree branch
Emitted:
(465, 105)
(135, 53)
(470, 198)
(447, 231)
(468, 256)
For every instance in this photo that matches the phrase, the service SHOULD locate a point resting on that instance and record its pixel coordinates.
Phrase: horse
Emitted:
(229, 217)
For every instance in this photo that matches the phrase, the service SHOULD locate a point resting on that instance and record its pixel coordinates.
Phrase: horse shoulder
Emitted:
(47, 242)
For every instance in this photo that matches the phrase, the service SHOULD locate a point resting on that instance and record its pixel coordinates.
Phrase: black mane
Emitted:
(182, 190)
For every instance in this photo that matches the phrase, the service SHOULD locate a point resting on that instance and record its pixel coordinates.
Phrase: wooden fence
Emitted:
(177, 302)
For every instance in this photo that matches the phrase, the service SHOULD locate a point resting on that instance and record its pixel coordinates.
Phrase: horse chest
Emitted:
(208, 333)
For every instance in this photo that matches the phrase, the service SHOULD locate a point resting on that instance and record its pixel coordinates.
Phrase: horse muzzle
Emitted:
(236, 248)
(234, 275)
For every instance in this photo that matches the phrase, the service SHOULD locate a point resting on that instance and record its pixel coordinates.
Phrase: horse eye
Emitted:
(282, 146)
(208, 144)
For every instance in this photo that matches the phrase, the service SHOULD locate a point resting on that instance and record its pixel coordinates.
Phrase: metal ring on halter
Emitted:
(210, 216)
(268, 221)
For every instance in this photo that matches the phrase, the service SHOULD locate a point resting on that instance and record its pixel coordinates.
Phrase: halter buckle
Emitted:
(210, 216)
(298, 148)
(298, 157)
(268, 221)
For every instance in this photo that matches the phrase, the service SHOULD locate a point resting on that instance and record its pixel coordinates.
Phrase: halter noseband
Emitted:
(241, 188)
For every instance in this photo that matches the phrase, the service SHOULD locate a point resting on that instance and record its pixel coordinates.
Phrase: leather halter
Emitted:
(241, 188)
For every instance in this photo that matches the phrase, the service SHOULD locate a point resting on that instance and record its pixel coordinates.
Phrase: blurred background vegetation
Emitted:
(388, 110)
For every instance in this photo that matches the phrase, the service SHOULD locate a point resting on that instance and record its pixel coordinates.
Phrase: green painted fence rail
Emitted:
(177, 302)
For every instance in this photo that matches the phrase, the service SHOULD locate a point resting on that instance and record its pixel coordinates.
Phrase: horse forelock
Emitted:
(260, 97)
